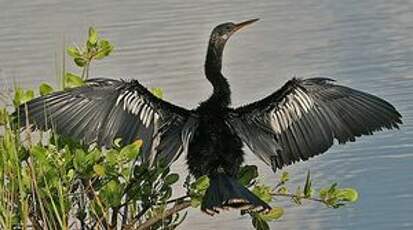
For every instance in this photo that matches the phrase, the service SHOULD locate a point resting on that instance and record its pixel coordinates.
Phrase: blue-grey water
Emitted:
(363, 44)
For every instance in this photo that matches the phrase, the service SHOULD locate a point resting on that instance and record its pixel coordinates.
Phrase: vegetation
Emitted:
(50, 182)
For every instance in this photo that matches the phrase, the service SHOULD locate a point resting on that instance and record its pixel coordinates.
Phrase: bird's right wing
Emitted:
(104, 110)
(303, 118)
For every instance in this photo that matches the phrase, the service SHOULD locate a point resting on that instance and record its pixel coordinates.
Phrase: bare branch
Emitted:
(181, 198)
(176, 208)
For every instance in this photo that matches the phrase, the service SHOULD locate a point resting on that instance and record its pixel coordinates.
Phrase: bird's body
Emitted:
(300, 120)
(214, 147)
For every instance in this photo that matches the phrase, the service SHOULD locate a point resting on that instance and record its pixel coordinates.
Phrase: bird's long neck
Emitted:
(213, 66)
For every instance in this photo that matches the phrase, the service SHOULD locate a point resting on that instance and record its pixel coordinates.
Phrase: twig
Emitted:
(28, 131)
(279, 184)
(299, 197)
(136, 218)
(35, 193)
(92, 195)
(125, 214)
(87, 70)
(81, 208)
(35, 222)
(177, 199)
(141, 213)
(176, 208)
(114, 221)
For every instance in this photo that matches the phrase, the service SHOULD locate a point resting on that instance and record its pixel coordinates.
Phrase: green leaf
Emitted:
(196, 201)
(73, 52)
(70, 175)
(131, 151)
(167, 194)
(93, 36)
(79, 160)
(201, 184)
(93, 157)
(18, 94)
(3, 116)
(104, 44)
(171, 179)
(274, 214)
(347, 194)
(112, 193)
(100, 54)
(284, 177)
(104, 49)
(263, 192)
(21, 96)
(45, 89)
(323, 193)
(138, 143)
(29, 95)
(158, 92)
(298, 193)
(247, 174)
(198, 189)
(81, 62)
(72, 80)
(39, 153)
(283, 190)
(307, 186)
(117, 142)
(259, 223)
(26, 179)
(99, 170)
(331, 201)
(112, 157)
(332, 188)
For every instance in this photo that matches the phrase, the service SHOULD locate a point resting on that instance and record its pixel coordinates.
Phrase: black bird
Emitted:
(294, 123)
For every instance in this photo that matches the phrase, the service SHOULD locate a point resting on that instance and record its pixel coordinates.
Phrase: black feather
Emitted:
(98, 113)
(320, 111)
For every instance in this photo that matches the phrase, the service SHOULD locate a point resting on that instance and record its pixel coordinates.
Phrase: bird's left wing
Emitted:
(104, 110)
(303, 118)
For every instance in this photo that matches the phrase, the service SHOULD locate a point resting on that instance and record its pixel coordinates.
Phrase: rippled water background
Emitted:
(363, 44)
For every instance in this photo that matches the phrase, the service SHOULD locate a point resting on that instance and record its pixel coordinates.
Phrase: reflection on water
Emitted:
(363, 44)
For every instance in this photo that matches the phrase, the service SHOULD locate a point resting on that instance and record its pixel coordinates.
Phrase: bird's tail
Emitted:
(226, 192)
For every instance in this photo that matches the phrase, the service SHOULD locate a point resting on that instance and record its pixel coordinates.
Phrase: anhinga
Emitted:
(294, 123)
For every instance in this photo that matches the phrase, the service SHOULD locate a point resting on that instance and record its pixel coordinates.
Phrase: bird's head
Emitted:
(223, 32)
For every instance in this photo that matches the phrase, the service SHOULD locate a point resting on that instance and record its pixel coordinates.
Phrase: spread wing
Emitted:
(104, 110)
(303, 118)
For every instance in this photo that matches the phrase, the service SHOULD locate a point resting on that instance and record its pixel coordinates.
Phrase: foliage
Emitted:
(95, 48)
(58, 183)
(45, 89)
(331, 196)
(50, 185)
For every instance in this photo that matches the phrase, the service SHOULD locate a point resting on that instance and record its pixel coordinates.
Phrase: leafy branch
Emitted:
(331, 197)
(96, 48)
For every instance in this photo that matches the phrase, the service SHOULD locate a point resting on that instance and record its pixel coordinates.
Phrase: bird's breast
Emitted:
(214, 146)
